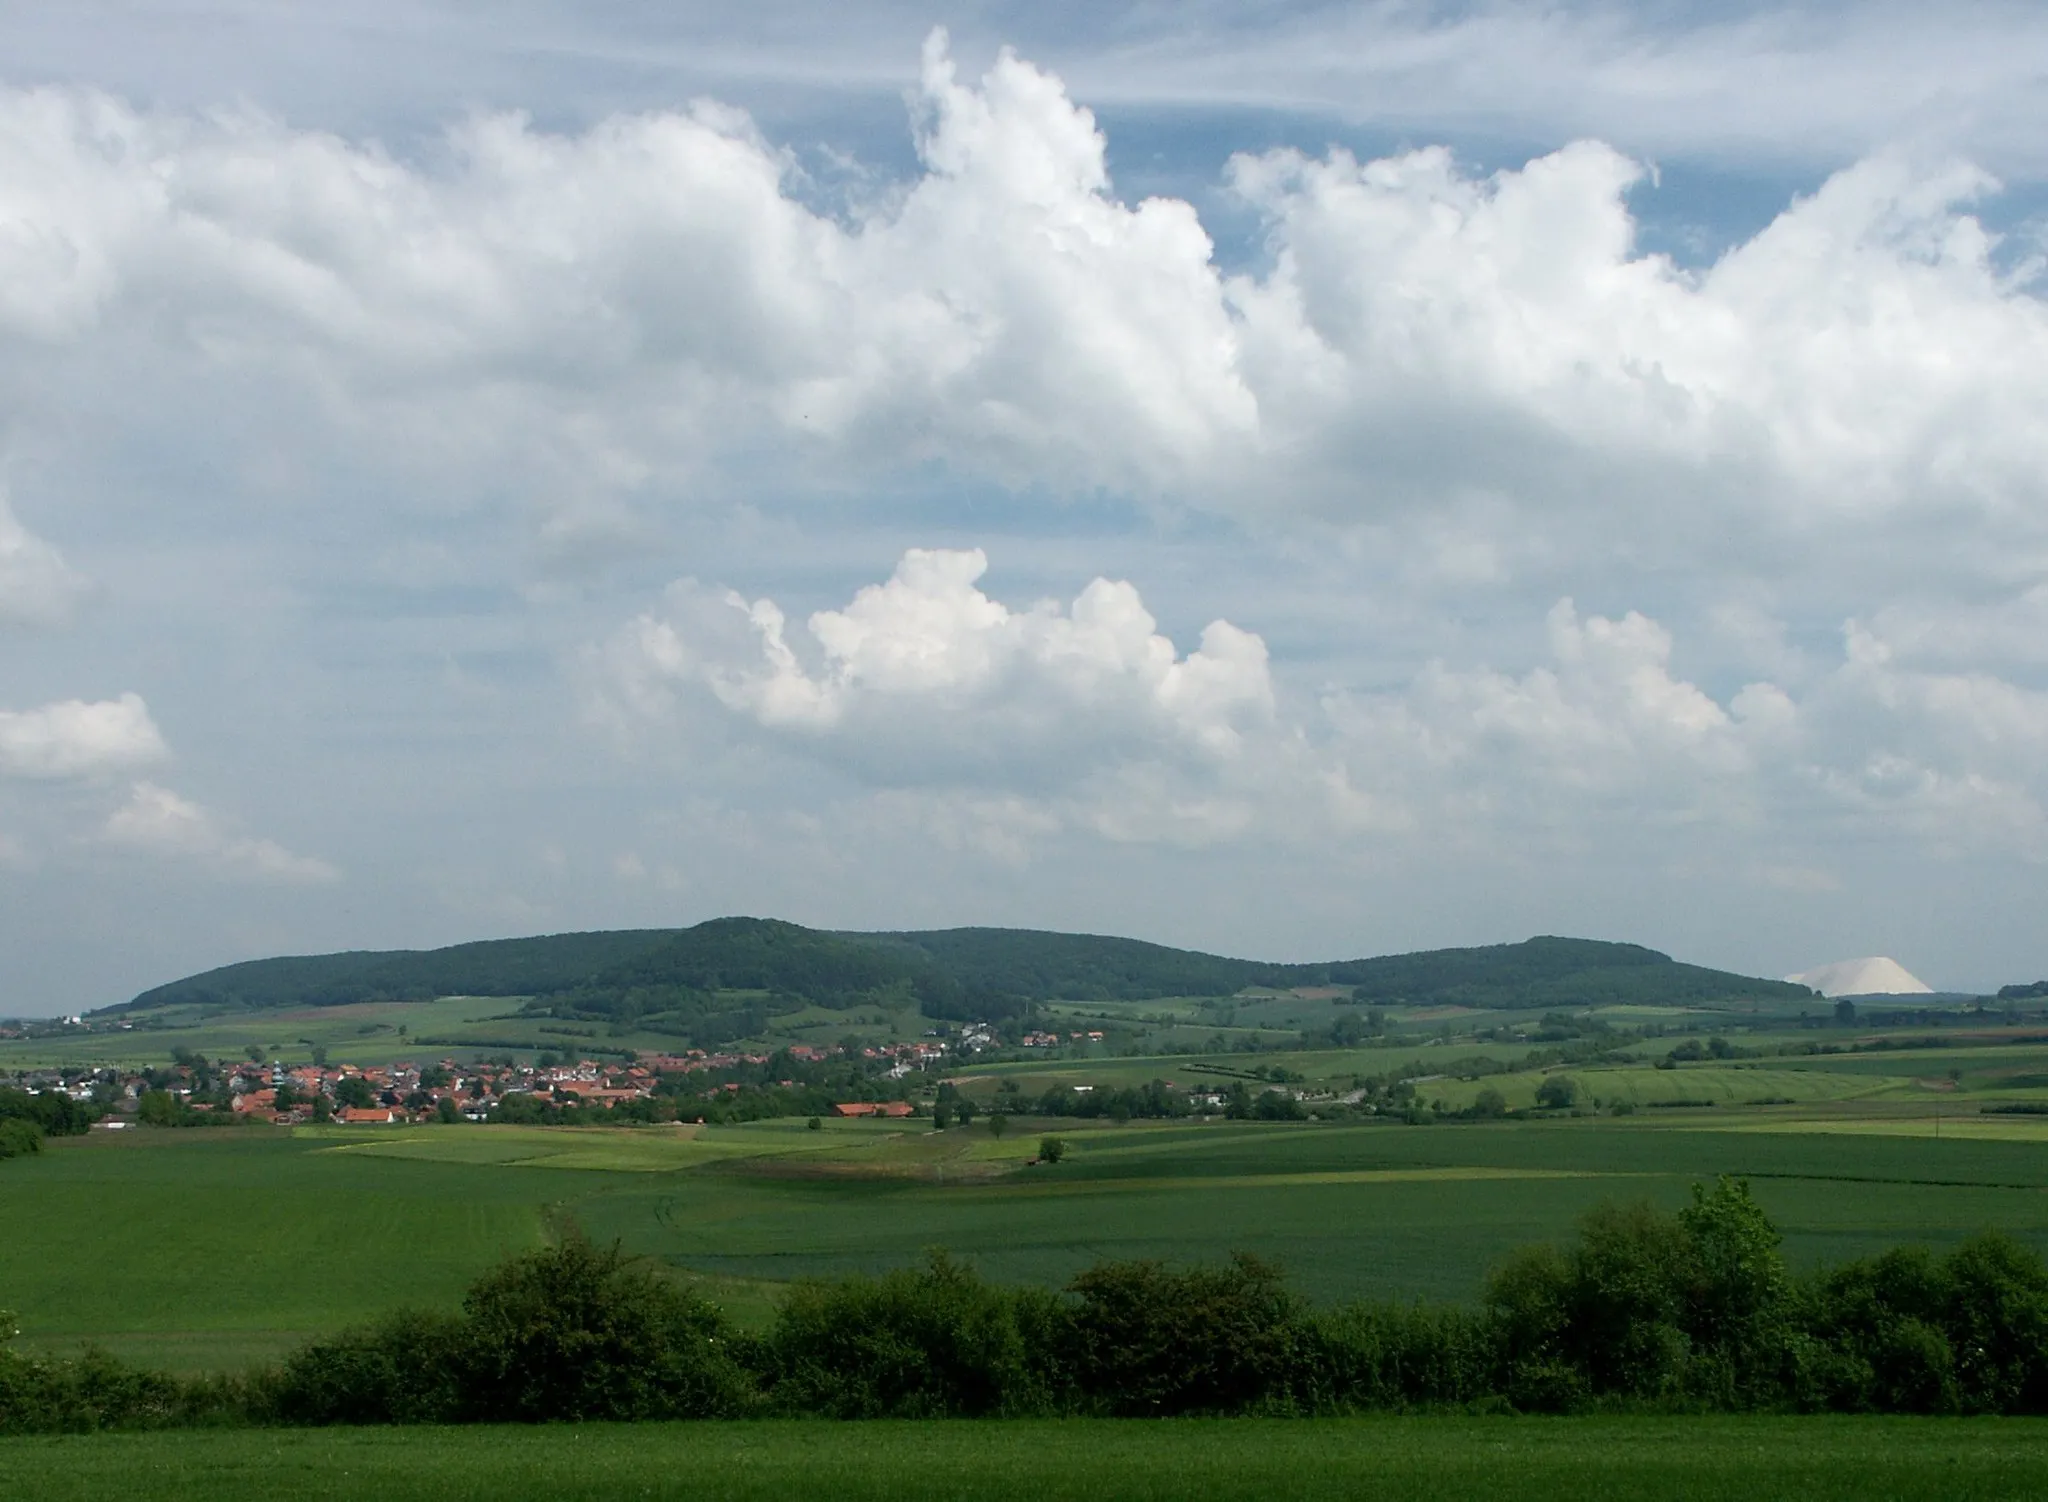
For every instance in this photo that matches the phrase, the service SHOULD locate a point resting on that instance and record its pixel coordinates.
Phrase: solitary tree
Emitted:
(1052, 1149)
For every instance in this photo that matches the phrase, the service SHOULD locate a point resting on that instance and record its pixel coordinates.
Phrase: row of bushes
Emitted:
(1644, 1310)
(26, 1117)
(51, 1112)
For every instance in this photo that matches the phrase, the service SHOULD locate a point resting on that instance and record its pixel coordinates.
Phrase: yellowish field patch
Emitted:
(658, 1150)
(665, 1149)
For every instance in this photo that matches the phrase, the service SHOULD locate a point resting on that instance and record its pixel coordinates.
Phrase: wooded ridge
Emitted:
(955, 973)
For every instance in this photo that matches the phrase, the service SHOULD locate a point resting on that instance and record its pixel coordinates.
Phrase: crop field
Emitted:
(1428, 1459)
(382, 1032)
(206, 1250)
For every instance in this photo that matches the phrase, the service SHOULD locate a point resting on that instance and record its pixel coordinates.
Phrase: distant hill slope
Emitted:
(490, 967)
(679, 974)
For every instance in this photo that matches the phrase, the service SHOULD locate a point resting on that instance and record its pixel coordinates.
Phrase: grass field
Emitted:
(206, 1250)
(382, 1032)
(1426, 1459)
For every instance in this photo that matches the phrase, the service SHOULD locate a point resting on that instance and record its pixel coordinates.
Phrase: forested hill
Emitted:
(960, 972)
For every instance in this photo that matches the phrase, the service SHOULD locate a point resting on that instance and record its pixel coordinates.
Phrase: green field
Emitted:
(206, 1250)
(381, 1032)
(1529, 1460)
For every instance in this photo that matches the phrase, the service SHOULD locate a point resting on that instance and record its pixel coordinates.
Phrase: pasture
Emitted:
(1429, 1459)
(209, 1249)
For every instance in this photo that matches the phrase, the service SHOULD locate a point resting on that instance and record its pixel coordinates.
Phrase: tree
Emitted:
(255, 1053)
(1051, 1149)
(319, 1055)
(942, 1116)
(354, 1091)
(1558, 1093)
(286, 1097)
(998, 1123)
(323, 1110)
(446, 1110)
(1740, 1279)
(1490, 1104)
(814, 1125)
(18, 1139)
(1845, 1012)
(583, 1332)
(160, 1108)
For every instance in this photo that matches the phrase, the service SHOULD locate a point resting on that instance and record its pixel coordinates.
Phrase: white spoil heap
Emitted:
(1876, 976)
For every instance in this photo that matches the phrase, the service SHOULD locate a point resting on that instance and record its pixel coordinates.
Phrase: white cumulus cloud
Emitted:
(925, 677)
(37, 587)
(655, 294)
(158, 821)
(74, 738)
(1011, 722)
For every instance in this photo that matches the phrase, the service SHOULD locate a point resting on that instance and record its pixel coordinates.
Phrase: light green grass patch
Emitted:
(1452, 1174)
(592, 1149)
(1728, 1085)
(1964, 1128)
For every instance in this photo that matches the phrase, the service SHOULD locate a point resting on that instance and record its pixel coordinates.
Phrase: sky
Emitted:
(1292, 480)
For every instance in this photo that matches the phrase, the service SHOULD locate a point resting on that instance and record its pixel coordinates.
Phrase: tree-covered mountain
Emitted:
(725, 976)
(490, 967)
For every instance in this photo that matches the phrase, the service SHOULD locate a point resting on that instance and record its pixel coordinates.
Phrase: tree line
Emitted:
(27, 1117)
(1643, 1310)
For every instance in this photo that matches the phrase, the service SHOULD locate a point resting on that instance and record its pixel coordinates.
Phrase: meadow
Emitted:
(1695, 1459)
(197, 1250)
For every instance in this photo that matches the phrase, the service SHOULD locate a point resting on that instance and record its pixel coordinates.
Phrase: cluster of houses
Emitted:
(386, 1094)
(1054, 1040)
(407, 1092)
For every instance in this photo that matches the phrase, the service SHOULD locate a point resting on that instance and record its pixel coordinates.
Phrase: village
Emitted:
(651, 1087)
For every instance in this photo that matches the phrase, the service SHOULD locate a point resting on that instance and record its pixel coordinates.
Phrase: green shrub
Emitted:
(583, 1332)
(929, 1342)
(39, 1396)
(1370, 1356)
(20, 1139)
(406, 1368)
(1153, 1340)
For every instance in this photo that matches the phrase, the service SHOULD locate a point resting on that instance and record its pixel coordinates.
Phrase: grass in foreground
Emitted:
(1584, 1460)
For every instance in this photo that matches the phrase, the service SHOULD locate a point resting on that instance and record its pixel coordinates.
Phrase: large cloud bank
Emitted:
(658, 290)
(1579, 550)
(927, 683)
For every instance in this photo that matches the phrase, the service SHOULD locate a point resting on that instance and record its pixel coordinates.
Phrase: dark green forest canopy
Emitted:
(960, 973)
